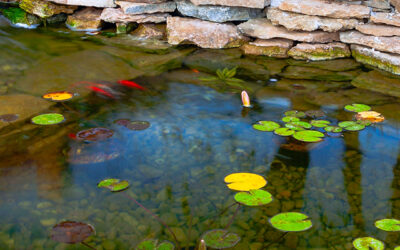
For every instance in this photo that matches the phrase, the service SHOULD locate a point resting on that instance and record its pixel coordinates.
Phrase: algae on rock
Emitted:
(45, 9)
(17, 16)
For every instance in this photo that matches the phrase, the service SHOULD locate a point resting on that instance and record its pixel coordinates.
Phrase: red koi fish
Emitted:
(72, 136)
(101, 91)
(195, 71)
(131, 84)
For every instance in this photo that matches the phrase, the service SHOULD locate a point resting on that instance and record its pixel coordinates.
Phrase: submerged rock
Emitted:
(203, 33)
(20, 18)
(331, 65)
(295, 21)
(151, 31)
(385, 61)
(378, 82)
(116, 15)
(146, 8)
(87, 19)
(90, 3)
(308, 73)
(273, 47)
(319, 52)
(45, 9)
(218, 14)
(264, 29)
(259, 4)
(388, 44)
(323, 8)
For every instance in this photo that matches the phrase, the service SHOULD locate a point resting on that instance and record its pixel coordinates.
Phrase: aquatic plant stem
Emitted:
(231, 220)
(276, 241)
(155, 217)
(86, 244)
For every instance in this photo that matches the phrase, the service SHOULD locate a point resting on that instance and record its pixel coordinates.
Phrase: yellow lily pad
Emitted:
(245, 181)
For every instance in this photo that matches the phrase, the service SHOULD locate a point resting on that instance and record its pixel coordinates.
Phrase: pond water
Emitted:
(198, 134)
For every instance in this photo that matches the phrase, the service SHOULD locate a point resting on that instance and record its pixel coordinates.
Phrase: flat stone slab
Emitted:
(146, 8)
(217, 14)
(386, 18)
(264, 29)
(90, 3)
(323, 8)
(116, 15)
(276, 47)
(259, 4)
(388, 44)
(379, 30)
(385, 61)
(295, 21)
(203, 33)
(319, 52)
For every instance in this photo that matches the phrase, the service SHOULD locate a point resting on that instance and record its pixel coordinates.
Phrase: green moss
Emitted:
(319, 54)
(17, 15)
(395, 69)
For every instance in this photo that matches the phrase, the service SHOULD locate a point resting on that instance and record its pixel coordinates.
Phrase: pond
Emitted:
(194, 132)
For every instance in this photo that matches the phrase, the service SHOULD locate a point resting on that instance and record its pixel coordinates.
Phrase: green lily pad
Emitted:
(152, 244)
(397, 248)
(254, 197)
(295, 113)
(220, 238)
(298, 126)
(367, 243)
(114, 185)
(351, 125)
(267, 126)
(320, 123)
(390, 225)
(48, 119)
(309, 136)
(290, 119)
(356, 107)
(291, 222)
(364, 122)
(284, 131)
(333, 129)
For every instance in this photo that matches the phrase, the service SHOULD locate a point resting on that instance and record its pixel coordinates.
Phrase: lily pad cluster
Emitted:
(388, 225)
(312, 129)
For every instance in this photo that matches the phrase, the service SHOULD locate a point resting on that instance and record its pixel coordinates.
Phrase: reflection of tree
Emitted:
(352, 178)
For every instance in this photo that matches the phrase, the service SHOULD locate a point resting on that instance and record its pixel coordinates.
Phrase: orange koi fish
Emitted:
(101, 91)
(131, 84)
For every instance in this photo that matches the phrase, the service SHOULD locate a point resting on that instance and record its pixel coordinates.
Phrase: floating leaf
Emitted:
(71, 232)
(367, 243)
(295, 113)
(267, 126)
(290, 119)
(152, 244)
(315, 113)
(284, 131)
(320, 123)
(58, 96)
(351, 125)
(333, 129)
(370, 116)
(298, 126)
(308, 136)
(48, 119)
(357, 107)
(390, 225)
(220, 239)
(94, 134)
(245, 181)
(115, 185)
(254, 197)
(291, 222)
(9, 117)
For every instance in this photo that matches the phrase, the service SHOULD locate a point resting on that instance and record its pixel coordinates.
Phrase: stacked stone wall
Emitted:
(368, 30)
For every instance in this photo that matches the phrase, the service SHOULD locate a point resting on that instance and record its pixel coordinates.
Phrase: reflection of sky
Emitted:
(379, 148)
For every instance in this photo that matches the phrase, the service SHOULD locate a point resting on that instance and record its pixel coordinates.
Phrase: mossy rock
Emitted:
(376, 62)
(45, 9)
(331, 65)
(19, 16)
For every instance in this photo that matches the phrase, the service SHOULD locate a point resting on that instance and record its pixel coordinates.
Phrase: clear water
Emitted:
(198, 135)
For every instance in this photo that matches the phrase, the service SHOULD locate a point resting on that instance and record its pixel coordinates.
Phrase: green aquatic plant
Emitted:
(253, 197)
(333, 129)
(152, 244)
(320, 123)
(308, 136)
(356, 107)
(389, 225)
(114, 185)
(351, 125)
(295, 113)
(367, 243)
(267, 126)
(48, 119)
(284, 131)
(291, 222)
(225, 75)
(298, 125)
(220, 239)
(290, 119)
